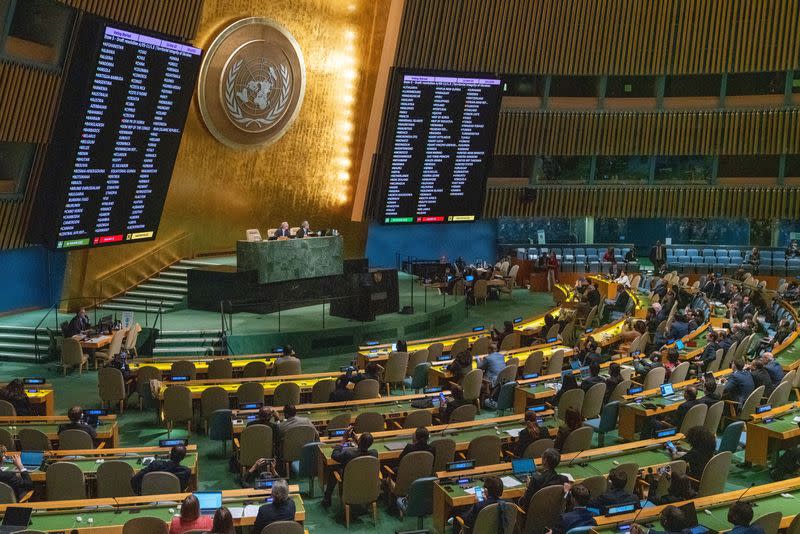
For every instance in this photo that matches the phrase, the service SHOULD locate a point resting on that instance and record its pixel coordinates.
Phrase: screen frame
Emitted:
(384, 157)
(51, 195)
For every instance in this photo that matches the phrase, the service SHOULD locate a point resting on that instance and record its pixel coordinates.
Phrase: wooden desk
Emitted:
(607, 288)
(91, 459)
(201, 363)
(764, 439)
(438, 375)
(767, 496)
(379, 352)
(109, 515)
(461, 433)
(42, 397)
(447, 497)
(394, 410)
(94, 343)
(305, 381)
(633, 414)
(107, 431)
(540, 388)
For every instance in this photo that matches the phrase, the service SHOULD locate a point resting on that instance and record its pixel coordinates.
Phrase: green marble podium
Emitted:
(291, 259)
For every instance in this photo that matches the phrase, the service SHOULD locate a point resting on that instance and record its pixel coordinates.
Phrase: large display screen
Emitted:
(117, 134)
(439, 146)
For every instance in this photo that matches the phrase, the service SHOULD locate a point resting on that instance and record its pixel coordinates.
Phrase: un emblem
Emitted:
(252, 83)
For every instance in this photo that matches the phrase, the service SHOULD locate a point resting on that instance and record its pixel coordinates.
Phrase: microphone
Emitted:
(752, 484)
(576, 457)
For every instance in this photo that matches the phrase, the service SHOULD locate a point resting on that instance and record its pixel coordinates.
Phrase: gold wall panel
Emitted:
(601, 36)
(633, 201)
(217, 192)
(173, 17)
(735, 132)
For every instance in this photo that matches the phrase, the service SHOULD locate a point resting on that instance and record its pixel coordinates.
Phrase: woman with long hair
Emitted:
(223, 522)
(189, 518)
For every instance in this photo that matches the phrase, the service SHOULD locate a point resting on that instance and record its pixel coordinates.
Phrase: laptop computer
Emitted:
(523, 466)
(395, 445)
(668, 392)
(209, 501)
(16, 519)
(31, 460)
(585, 373)
(679, 345)
(575, 364)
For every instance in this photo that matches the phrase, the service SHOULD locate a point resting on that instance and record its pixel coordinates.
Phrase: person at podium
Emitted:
(304, 231)
(283, 230)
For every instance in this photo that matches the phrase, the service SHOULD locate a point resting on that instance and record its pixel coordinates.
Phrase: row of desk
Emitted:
(109, 515)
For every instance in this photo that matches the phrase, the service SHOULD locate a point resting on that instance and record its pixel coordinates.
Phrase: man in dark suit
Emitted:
(746, 307)
(304, 231)
(75, 415)
(579, 516)
(620, 304)
(658, 255)
(710, 395)
(689, 400)
(544, 476)
(494, 490)
(594, 377)
(283, 230)
(171, 465)
(679, 327)
(78, 324)
(774, 369)
(291, 420)
(761, 376)
(19, 480)
(616, 493)
(710, 350)
(739, 385)
(343, 453)
(419, 442)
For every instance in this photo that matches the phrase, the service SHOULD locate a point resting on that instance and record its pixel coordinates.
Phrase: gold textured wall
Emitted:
(218, 192)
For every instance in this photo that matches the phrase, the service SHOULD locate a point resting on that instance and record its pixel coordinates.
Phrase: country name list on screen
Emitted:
(441, 149)
(129, 138)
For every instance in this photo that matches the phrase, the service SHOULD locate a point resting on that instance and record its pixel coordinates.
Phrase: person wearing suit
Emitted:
(172, 465)
(671, 518)
(620, 304)
(739, 385)
(304, 231)
(544, 476)
(745, 308)
(710, 351)
(774, 369)
(594, 377)
(579, 516)
(761, 376)
(19, 480)
(494, 491)
(529, 434)
(283, 230)
(616, 493)
(281, 508)
(658, 256)
(78, 324)
(343, 453)
(75, 415)
(292, 420)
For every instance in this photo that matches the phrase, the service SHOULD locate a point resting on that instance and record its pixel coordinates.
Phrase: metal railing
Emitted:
(119, 280)
(152, 308)
(54, 310)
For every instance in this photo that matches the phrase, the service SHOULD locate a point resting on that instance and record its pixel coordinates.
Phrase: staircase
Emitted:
(18, 343)
(188, 343)
(169, 286)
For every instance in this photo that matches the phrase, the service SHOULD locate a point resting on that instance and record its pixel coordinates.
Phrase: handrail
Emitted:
(123, 271)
